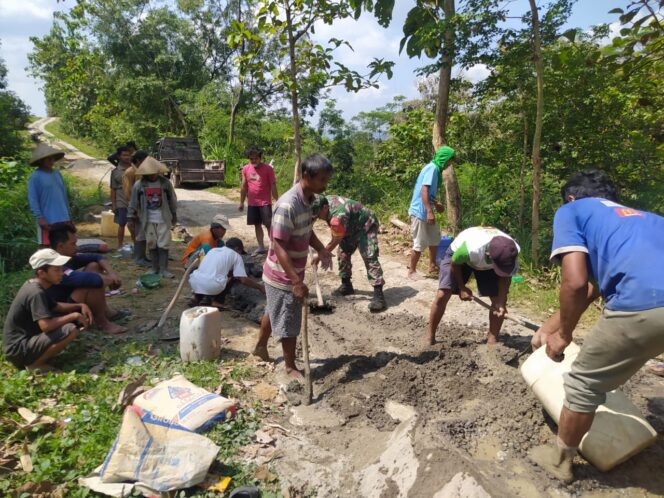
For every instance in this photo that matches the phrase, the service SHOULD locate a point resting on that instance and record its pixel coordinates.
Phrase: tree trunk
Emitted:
(240, 93)
(524, 161)
(537, 137)
(453, 194)
(297, 139)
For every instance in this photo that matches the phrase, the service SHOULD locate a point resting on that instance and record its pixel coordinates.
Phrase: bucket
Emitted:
(618, 431)
(444, 243)
(200, 334)
(109, 228)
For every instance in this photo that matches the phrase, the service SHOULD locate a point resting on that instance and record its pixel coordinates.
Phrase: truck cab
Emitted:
(185, 161)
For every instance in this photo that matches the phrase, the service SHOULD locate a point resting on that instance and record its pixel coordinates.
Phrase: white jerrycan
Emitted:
(618, 431)
(200, 334)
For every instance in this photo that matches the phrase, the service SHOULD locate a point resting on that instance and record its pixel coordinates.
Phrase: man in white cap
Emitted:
(47, 194)
(206, 240)
(153, 206)
(37, 328)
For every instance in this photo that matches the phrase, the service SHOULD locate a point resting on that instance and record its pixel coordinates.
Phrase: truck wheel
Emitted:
(175, 180)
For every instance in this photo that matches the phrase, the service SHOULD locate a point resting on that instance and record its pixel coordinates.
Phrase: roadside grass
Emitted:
(85, 146)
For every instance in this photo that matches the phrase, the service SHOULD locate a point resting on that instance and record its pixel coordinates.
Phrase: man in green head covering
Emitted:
(423, 207)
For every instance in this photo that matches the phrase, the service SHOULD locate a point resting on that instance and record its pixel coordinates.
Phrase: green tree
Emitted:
(14, 115)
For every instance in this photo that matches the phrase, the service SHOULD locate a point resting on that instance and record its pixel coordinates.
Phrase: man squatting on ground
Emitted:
(220, 269)
(352, 226)
(206, 240)
(609, 250)
(47, 194)
(86, 276)
(119, 200)
(37, 328)
(153, 208)
(491, 256)
(423, 226)
(283, 272)
(259, 186)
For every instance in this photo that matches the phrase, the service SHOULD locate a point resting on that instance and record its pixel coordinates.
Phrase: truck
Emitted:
(183, 157)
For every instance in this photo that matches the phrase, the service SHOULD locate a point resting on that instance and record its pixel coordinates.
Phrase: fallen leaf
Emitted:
(34, 489)
(262, 473)
(97, 368)
(130, 392)
(263, 437)
(265, 391)
(45, 403)
(26, 461)
(28, 415)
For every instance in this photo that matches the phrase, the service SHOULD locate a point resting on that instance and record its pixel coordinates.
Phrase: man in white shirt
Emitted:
(491, 256)
(220, 268)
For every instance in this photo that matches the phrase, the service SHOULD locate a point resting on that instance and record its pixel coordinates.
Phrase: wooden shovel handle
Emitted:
(308, 388)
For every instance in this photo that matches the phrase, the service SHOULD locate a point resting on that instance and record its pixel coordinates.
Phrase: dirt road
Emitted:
(394, 418)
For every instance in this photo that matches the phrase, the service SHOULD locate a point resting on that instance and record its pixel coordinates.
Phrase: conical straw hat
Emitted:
(151, 167)
(42, 151)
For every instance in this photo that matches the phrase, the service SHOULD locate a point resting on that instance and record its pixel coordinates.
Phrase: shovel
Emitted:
(308, 388)
(319, 305)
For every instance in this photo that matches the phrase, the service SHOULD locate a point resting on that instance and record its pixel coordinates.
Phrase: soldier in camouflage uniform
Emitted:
(353, 226)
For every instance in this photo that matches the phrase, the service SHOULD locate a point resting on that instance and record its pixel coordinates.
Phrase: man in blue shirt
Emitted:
(85, 279)
(47, 194)
(423, 227)
(611, 250)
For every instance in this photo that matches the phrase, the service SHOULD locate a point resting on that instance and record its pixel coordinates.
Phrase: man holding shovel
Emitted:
(491, 256)
(606, 249)
(291, 234)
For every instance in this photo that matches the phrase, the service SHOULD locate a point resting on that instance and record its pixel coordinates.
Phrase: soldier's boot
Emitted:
(346, 287)
(377, 302)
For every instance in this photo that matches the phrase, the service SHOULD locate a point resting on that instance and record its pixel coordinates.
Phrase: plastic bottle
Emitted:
(618, 432)
(200, 334)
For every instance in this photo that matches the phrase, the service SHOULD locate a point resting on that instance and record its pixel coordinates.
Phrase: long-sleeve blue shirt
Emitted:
(48, 197)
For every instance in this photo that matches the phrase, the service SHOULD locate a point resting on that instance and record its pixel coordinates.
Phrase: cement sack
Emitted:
(180, 402)
(160, 455)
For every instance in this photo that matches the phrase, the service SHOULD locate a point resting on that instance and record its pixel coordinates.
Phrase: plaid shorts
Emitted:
(284, 310)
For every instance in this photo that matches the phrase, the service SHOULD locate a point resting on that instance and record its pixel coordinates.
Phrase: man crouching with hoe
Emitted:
(621, 249)
(291, 234)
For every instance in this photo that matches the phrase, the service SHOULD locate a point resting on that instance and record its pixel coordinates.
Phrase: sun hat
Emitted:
(503, 252)
(49, 257)
(151, 167)
(220, 220)
(42, 151)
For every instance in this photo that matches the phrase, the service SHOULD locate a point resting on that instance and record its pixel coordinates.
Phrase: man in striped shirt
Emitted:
(291, 234)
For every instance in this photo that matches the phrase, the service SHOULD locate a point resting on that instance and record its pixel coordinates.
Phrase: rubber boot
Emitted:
(377, 302)
(346, 287)
(163, 264)
(556, 460)
(139, 253)
(154, 254)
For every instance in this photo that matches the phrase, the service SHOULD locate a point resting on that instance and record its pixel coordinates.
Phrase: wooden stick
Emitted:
(168, 309)
(521, 321)
(319, 294)
(399, 224)
(308, 388)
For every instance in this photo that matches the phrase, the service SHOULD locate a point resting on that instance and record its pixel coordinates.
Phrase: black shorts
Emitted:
(120, 216)
(259, 215)
(34, 347)
(487, 280)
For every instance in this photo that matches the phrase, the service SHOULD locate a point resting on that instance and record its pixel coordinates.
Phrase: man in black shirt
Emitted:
(37, 328)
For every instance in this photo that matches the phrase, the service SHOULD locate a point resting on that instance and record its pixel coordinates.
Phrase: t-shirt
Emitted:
(212, 275)
(30, 304)
(470, 247)
(47, 196)
(348, 217)
(292, 224)
(73, 279)
(260, 179)
(625, 249)
(153, 199)
(430, 176)
(117, 184)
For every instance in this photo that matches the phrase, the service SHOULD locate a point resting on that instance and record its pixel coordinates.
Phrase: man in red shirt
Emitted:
(259, 185)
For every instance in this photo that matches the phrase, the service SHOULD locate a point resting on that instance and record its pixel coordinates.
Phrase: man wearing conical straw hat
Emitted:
(153, 209)
(47, 194)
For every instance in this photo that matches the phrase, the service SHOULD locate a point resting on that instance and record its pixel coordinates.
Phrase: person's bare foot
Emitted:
(434, 270)
(429, 341)
(294, 373)
(113, 328)
(491, 339)
(261, 352)
(413, 275)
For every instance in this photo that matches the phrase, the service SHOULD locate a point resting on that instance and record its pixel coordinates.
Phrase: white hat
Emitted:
(221, 220)
(49, 257)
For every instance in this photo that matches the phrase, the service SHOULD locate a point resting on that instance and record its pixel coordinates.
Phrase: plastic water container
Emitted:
(109, 228)
(618, 432)
(200, 334)
(444, 243)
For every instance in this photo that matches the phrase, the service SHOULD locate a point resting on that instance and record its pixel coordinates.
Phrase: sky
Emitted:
(21, 19)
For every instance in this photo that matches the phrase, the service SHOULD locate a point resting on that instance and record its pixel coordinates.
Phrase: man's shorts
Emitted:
(615, 349)
(487, 280)
(157, 235)
(424, 234)
(259, 215)
(35, 347)
(284, 311)
(120, 216)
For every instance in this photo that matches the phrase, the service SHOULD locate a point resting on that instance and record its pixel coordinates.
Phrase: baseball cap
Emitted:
(49, 257)
(220, 220)
(503, 252)
(234, 242)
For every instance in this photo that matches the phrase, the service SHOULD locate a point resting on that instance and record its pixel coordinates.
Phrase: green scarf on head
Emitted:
(441, 158)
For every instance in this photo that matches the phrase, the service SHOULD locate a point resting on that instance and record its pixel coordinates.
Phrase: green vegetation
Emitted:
(86, 146)
(14, 116)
